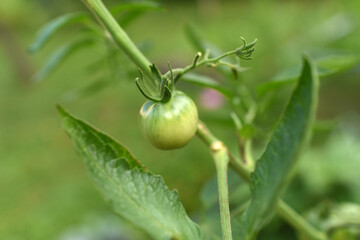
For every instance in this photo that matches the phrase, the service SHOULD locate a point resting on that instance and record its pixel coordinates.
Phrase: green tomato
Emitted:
(169, 125)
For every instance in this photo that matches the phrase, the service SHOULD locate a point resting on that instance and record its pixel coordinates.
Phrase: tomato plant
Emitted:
(170, 119)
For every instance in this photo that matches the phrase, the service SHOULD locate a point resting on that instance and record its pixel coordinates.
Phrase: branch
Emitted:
(284, 210)
(243, 52)
(221, 157)
(118, 35)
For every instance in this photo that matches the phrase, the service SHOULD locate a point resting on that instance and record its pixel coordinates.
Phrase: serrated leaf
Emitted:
(128, 187)
(274, 166)
(59, 56)
(205, 81)
(50, 28)
(326, 66)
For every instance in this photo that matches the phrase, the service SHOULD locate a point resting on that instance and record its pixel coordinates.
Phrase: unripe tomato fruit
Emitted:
(169, 125)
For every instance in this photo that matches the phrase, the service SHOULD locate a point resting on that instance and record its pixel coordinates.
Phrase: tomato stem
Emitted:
(221, 162)
(120, 37)
(282, 208)
(243, 52)
(221, 158)
(298, 222)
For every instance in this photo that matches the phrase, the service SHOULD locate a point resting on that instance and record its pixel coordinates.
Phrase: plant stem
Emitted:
(221, 157)
(284, 210)
(181, 71)
(119, 35)
(298, 222)
(243, 52)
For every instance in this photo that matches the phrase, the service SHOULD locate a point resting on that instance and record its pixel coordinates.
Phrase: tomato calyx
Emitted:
(157, 89)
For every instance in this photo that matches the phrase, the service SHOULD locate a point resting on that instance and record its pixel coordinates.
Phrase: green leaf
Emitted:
(49, 29)
(59, 56)
(133, 10)
(275, 165)
(136, 6)
(128, 187)
(205, 81)
(88, 90)
(326, 66)
(330, 216)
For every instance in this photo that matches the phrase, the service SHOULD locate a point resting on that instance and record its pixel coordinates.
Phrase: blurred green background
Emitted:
(44, 190)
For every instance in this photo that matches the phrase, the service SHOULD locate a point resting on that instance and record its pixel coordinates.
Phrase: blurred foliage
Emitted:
(45, 193)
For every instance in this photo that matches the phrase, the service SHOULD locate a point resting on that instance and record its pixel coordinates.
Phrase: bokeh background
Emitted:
(44, 190)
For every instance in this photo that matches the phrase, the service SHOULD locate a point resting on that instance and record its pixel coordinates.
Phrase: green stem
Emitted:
(119, 35)
(181, 71)
(284, 210)
(248, 154)
(298, 222)
(221, 162)
(243, 52)
(221, 158)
